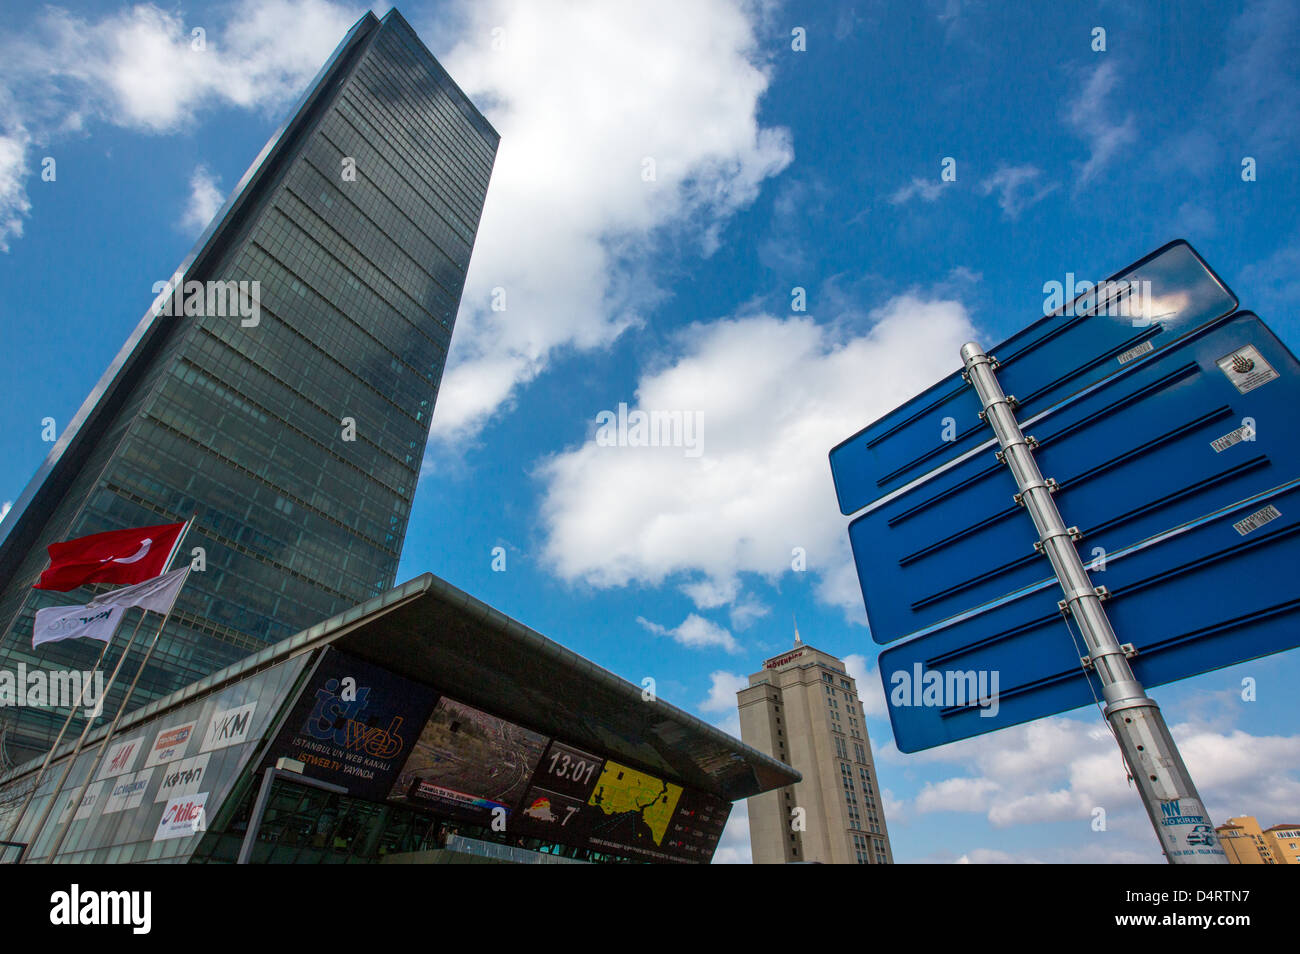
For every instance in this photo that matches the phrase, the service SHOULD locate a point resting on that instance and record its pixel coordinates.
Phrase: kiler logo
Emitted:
(182, 817)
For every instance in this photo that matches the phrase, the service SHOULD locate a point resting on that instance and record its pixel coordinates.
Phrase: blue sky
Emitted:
(773, 168)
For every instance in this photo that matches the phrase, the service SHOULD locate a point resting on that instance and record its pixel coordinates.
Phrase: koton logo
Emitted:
(229, 727)
(182, 778)
(77, 907)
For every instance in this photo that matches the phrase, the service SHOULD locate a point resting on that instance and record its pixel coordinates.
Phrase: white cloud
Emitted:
(993, 856)
(733, 846)
(1017, 188)
(1095, 120)
(744, 613)
(1065, 769)
(870, 689)
(4, 508)
(775, 395)
(205, 200)
(143, 67)
(14, 204)
(583, 94)
(927, 189)
(722, 691)
(694, 632)
(710, 594)
(139, 69)
(956, 795)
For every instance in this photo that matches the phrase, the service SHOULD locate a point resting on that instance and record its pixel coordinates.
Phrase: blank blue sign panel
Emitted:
(1041, 365)
(1209, 594)
(1166, 440)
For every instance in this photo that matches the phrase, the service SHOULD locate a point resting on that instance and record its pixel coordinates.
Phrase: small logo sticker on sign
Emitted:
(1136, 351)
(1243, 433)
(1246, 369)
(1256, 520)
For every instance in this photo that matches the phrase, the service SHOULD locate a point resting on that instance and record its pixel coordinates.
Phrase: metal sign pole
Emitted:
(1172, 803)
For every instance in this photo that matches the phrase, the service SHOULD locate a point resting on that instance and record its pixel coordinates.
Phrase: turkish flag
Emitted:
(118, 556)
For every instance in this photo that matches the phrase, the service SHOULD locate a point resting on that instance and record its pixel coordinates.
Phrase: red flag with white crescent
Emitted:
(118, 556)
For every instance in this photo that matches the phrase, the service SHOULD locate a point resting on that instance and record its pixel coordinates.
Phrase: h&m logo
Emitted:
(122, 758)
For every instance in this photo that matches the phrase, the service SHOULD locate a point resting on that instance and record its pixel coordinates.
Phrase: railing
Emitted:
(491, 849)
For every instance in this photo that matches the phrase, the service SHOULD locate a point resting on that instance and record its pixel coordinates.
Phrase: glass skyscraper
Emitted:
(295, 435)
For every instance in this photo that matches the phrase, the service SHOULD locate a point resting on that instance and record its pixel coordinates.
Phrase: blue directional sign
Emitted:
(1167, 431)
(1211, 593)
(1146, 307)
(1169, 438)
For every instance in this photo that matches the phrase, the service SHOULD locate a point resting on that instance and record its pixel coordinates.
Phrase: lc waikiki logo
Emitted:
(336, 718)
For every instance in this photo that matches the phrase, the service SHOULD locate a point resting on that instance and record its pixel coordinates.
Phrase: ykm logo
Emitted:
(234, 726)
(338, 717)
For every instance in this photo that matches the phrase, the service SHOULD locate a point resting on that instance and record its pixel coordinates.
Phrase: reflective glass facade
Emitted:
(297, 441)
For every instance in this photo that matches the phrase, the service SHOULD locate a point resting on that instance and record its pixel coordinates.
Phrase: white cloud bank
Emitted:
(775, 394)
(144, 68)
(586, 95)
(1066, 769)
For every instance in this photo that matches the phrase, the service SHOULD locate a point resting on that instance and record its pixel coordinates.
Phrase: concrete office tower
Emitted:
(803, 709)
(295, 433)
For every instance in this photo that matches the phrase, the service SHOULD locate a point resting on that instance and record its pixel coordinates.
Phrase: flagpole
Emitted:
(121, 711)
(40, 775)
(121, 708)
(76, 750)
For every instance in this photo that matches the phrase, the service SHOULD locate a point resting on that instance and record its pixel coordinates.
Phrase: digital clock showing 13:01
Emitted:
(569, 770)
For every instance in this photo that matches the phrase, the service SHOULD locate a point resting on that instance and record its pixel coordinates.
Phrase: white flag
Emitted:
(98, 618)
(65, 622)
